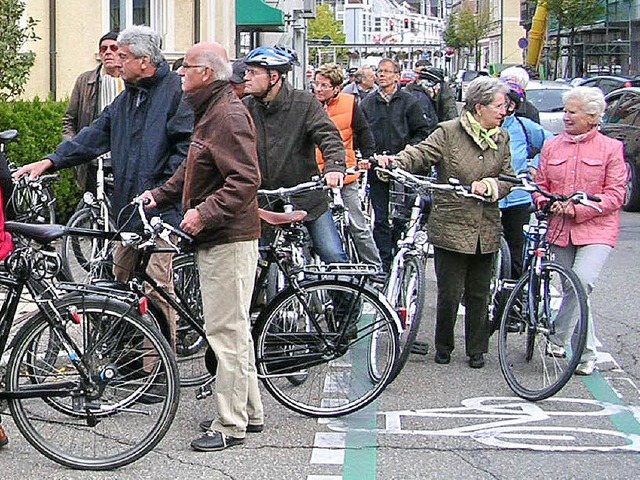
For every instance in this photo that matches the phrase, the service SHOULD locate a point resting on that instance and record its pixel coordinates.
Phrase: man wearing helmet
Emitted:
(290, 124)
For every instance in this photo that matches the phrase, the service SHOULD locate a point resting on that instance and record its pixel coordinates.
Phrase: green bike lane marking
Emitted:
(361, 446)
(602, 391)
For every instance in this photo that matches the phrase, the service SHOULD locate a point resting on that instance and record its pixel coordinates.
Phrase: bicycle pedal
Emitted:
(204, 392)
(420, 348)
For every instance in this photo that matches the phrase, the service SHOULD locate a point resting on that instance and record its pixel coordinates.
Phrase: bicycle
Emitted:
(406, 284)
(90, 383)
(79, 253)
(543, 328)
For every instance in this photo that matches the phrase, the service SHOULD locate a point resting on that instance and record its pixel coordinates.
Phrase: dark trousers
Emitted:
(459, 273)
(513, 219)
(382, 234)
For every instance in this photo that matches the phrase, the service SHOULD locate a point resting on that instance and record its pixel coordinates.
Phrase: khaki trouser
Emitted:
(159, 268)
(227, 275)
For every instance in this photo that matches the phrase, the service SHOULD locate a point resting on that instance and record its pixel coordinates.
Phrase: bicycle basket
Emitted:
(401, 200)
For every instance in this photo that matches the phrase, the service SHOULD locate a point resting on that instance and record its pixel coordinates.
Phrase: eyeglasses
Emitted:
(253, 73)
(387, 72)
(186, 66)
(113, 47)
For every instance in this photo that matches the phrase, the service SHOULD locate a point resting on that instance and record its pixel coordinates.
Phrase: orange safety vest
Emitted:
(340, 110)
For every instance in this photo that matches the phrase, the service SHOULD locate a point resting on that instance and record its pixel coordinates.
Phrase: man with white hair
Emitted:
(520, 76)
(218, 185)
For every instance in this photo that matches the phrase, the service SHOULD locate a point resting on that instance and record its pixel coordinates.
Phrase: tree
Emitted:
(325, 25)
(569, 16)
(14, 62)
(465, 28)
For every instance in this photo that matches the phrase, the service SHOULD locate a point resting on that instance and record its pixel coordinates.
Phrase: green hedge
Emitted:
(39, 124)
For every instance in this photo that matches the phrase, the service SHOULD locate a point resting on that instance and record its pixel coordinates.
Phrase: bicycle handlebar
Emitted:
(523, 182)
(156, 227)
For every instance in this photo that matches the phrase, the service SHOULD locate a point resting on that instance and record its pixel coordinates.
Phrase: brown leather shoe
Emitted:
(4, 439)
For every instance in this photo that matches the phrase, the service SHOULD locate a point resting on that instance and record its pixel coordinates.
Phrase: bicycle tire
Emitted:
(500, 271)
(79, 252)
(33, 206)
(112, 424)
(352, 347)
(527, 365)
(190, 344)
(408, 300)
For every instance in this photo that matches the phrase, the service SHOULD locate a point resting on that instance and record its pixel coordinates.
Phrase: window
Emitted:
(124, 13)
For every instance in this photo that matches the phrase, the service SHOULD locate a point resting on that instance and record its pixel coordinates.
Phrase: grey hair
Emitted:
(143, 42)
(482, 91)
(220, 66)
(517, 74)
(591, 98)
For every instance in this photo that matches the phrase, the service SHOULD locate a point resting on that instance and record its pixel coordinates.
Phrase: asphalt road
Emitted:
(434, 421)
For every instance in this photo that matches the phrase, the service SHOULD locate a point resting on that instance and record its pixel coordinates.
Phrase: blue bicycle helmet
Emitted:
(270, 58)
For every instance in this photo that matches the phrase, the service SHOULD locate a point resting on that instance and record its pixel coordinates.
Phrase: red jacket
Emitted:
(595, 165)
(6, 242)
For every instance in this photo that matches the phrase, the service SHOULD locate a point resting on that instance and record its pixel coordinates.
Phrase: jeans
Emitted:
(586, 261)
(326, 240)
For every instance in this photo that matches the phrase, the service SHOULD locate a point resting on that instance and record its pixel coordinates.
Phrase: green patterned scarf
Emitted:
(480, 134)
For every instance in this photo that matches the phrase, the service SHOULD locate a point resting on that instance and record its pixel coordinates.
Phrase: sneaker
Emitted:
(215, 441)
(4, 439)
(556, 351)
(205, 426)
(586, 368)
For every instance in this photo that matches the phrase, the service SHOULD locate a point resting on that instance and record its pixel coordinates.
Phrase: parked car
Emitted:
(622, 121)
(546, 96)
(462, 81)
(609, 83)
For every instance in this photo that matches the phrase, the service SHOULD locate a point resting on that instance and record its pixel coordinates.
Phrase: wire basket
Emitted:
(401, 199)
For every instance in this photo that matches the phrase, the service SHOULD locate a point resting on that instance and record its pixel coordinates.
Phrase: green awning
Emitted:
(256, 13)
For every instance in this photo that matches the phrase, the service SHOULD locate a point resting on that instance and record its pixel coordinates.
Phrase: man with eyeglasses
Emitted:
(148, 130)
(396, 120)
(92, 92)
(290, 124)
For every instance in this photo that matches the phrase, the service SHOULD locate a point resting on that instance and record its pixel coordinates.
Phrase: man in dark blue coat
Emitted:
(147, 128)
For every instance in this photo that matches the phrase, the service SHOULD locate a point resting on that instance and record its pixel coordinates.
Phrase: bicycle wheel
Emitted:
(33, 205)
(85, 258)
(500, 271)
(339, 338)
(543, 332)
(110, 415)
(408, 300)
(190, 344)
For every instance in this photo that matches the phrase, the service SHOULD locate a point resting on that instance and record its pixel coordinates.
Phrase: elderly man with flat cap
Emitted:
(237, 77)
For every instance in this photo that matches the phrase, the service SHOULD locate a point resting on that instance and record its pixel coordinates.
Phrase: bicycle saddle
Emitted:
(42, 234)
(280, 218)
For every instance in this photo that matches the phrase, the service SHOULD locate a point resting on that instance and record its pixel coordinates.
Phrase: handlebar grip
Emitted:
(509, 178)
(593, 199)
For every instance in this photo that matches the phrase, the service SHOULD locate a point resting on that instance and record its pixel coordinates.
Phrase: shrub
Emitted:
(39, 124)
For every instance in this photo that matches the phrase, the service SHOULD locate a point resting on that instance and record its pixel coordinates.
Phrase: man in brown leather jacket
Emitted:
(218, 184)
(93, 91)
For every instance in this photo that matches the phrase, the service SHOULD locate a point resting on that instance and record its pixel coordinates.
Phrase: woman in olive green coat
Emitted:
(465, 232)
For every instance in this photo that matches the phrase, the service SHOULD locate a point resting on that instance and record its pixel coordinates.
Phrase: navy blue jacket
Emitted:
(148, 129)
(395, 124)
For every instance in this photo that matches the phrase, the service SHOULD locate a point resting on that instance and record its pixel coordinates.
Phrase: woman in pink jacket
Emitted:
(583, 159)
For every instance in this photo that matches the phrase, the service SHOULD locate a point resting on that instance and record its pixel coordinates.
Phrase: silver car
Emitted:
(546, 96)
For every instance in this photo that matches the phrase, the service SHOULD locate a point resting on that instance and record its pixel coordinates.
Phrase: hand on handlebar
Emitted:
(192, 222)
(479, 188)
(564, 209)
(384, 161)
(334, 179)
(147, 200)
(34, 169)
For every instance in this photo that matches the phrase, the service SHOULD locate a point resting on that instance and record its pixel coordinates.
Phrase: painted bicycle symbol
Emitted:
(507, 422)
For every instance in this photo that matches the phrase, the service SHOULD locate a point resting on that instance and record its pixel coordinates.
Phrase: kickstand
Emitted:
(420, 348)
